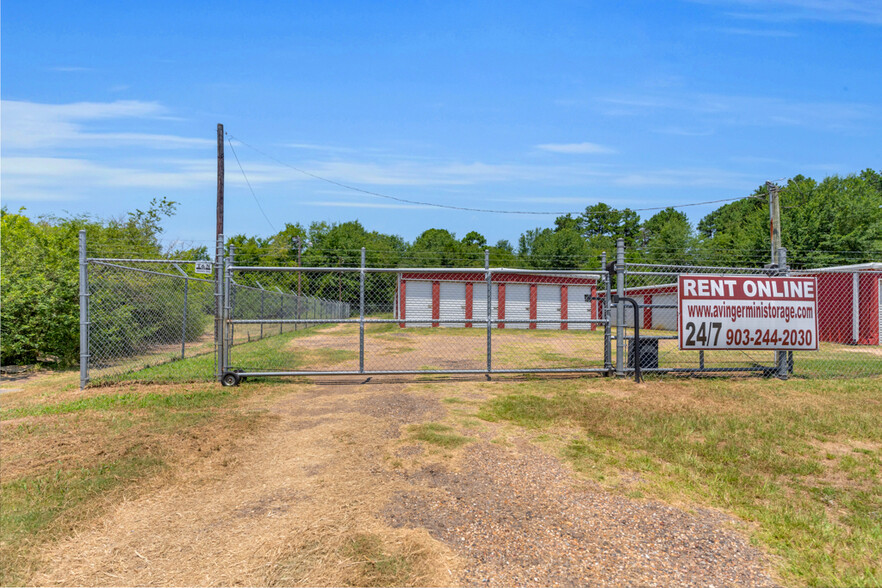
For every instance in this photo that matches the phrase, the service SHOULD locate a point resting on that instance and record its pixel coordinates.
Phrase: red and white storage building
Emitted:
(849, 303)
(425, 299)
(659, 307)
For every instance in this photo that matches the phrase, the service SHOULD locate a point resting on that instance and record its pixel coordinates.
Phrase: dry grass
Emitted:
(288, 497)
(65, 469)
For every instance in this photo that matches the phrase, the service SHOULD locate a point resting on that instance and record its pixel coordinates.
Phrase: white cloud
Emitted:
(576, 148)
(860, 11)
(30, 125)
(337, 204)
(685, 177)
(745, 110)
(767, 33)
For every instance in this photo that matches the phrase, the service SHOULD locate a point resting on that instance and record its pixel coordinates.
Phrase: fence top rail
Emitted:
(419, 270)
(686, 269)
(151, 272)
(118, 260)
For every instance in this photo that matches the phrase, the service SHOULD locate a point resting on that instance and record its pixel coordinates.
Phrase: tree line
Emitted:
(834, 221)
(837, 220)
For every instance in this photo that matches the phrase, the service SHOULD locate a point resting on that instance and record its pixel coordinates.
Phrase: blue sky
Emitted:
(547, 106)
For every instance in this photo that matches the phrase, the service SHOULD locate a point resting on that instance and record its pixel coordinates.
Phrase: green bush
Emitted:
(39, 292)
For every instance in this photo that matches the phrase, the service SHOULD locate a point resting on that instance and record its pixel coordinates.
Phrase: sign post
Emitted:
(747, 312)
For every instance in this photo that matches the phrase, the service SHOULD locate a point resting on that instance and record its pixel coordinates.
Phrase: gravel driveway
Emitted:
(518, 518)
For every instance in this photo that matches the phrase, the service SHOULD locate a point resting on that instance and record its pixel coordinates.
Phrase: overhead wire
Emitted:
(450, 206)
(249, 185)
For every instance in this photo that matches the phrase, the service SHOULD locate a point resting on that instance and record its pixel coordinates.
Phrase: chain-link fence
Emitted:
(154, 320)
(144, 321)
(848, 322)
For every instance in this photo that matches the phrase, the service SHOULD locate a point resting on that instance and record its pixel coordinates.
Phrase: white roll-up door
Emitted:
(664, 318)
(578, 306)
(452, 303)
(547, 306)
(479, 303)
(418, 303)
(517, 306)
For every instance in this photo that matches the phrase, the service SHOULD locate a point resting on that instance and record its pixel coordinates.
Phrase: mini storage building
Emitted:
(658, 307)
(517, 298)
(849, 303)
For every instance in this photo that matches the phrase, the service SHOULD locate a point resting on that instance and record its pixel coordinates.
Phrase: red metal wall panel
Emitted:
(533, 304)
(564, 309)
(501, 311)
(469, 302)
(436, 302)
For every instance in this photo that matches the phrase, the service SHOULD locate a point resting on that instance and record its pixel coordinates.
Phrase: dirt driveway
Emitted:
(337, 491)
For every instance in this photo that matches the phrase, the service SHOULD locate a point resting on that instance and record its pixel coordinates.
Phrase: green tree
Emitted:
(564, 249)
(436, 248)
(668, 238)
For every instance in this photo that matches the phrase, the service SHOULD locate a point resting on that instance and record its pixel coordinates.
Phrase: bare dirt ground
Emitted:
(338, 469)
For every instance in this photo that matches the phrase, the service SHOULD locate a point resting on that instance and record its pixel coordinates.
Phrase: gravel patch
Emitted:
(520, 520)
(398, 409)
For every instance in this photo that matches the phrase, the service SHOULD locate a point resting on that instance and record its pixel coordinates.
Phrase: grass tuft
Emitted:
(438, 434)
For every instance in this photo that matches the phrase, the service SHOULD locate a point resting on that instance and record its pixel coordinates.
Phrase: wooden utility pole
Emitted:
(220, 179)
(774, 219)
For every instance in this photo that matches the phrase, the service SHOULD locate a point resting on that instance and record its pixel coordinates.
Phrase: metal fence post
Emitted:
(489, 312)
(84, 313)
(361, 314)
(184, 326)
(607, 331)
(620, 307)
(782, 356)
(281, 310)
(262, 315)
(219, 306)
(228, 311)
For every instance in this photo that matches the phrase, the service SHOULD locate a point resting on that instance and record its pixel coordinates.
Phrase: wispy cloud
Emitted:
(576, 148)
(744, 110)
(860, 11)
(767, 33)
(315, 147)
(70, 68)
(684, 177)
(354, 204)
(32, 125)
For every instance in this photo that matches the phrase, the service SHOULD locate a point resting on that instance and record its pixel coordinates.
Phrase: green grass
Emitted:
(271, 352)
(374, 565)
(31, 505)
(757, 448)
(185, 400)
(438, 434)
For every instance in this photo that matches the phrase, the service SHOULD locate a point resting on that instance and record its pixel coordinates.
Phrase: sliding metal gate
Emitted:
(351, 321)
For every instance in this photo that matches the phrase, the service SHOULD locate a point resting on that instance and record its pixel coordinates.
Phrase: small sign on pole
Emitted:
(748, 312)
(203, 267)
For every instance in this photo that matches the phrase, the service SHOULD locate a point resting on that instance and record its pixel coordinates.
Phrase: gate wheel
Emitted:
(230, 379)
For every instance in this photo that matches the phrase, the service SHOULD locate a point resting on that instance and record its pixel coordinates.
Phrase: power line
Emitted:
(450, 206)
(249, 184)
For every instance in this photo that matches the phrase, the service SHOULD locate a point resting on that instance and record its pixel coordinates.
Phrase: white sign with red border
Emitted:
(748, 312)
